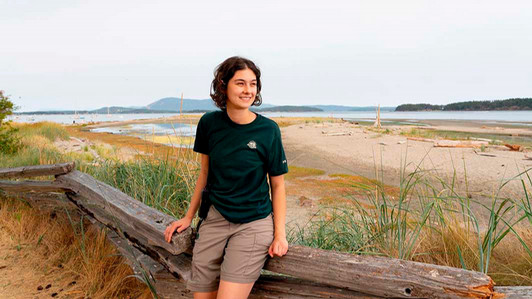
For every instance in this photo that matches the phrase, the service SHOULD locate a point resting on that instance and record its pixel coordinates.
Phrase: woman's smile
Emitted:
(242, 89)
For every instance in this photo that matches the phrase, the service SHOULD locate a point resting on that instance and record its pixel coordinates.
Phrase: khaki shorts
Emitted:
(234, 252)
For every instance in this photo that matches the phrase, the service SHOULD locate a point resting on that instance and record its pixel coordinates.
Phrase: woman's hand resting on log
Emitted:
(179, 225)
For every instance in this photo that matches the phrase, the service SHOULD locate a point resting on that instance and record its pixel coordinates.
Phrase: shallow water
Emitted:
(515, 117)
(177, 129)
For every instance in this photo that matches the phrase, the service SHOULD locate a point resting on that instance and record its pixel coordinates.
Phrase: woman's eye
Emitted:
(253, 84)
(240, 84)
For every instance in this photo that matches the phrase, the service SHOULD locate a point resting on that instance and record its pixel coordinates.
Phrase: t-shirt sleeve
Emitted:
(277, 164)
(201, 143)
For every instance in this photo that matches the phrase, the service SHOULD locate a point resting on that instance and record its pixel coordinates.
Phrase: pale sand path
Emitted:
(360, 153)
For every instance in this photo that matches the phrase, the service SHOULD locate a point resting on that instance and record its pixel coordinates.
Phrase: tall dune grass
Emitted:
(51, 131)
(164, 184)
(432, 223)
(37, 145)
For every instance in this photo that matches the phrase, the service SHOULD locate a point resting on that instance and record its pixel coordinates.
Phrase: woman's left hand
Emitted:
(279, 247)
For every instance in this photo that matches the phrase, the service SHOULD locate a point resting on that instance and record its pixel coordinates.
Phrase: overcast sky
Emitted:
(88, 54)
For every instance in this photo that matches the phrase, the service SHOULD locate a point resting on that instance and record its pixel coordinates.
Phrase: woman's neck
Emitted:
(241, 116)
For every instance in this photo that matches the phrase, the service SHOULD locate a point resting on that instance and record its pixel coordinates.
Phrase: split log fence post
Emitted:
(138, 232)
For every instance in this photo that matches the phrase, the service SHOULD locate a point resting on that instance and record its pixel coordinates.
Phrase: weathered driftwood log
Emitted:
(514, 147)
(124, 213)
(32, 186)
(174, 263)
(381, 276)
(515, 292)
(459, 143)
(336, 133)
(268, 285)
(452, 143)
(275, 286)
(378, 276)
(38, 170)
(420, 139)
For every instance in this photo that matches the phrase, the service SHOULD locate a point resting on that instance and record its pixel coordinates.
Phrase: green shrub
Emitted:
(9, 141)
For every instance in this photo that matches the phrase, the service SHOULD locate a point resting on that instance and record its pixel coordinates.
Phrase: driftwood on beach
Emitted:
(32, 186)
(34, 171)
(514, 147)
(452, 143)
(336, 133)
(137, 231)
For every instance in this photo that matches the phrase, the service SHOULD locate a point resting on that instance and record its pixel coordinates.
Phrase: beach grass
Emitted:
(430, 222)
(65, 251)
(164, 184)
(51, 131)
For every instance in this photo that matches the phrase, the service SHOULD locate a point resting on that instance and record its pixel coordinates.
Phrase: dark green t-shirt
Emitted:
(240, 156)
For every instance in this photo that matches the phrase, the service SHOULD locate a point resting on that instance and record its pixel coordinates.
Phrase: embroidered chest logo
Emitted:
(252, 144)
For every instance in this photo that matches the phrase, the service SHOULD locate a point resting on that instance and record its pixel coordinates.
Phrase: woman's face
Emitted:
(241, 89)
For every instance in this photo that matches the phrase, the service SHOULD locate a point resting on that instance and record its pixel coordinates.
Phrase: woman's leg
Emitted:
(210, 295)
(233, 290)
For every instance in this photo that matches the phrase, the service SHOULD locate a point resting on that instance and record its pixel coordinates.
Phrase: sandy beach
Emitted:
(366, 152)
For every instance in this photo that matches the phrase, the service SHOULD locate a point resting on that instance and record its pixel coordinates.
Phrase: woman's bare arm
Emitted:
(279, 245)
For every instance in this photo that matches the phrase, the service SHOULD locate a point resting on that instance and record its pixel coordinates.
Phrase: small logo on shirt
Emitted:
(284, 161)
(252, 144)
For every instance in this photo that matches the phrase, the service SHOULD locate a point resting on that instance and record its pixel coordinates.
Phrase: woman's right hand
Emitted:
(179, 225)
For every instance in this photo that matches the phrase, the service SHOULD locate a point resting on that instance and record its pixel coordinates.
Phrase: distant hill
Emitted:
(174, 104)
(509, 104)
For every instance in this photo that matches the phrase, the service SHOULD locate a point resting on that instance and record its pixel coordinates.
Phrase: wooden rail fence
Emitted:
(138, 232)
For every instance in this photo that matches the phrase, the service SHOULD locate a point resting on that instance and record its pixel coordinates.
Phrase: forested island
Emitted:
(509, 104)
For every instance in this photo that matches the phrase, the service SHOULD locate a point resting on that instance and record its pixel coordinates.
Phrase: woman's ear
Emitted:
(224, 86)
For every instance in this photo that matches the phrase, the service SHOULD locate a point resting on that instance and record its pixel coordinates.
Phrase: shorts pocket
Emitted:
(264, 232)
(264, 239)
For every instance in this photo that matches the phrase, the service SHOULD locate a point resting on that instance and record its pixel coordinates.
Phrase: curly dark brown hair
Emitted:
(224, 72)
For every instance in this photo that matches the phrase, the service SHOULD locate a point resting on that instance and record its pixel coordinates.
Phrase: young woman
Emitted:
(239, 150)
